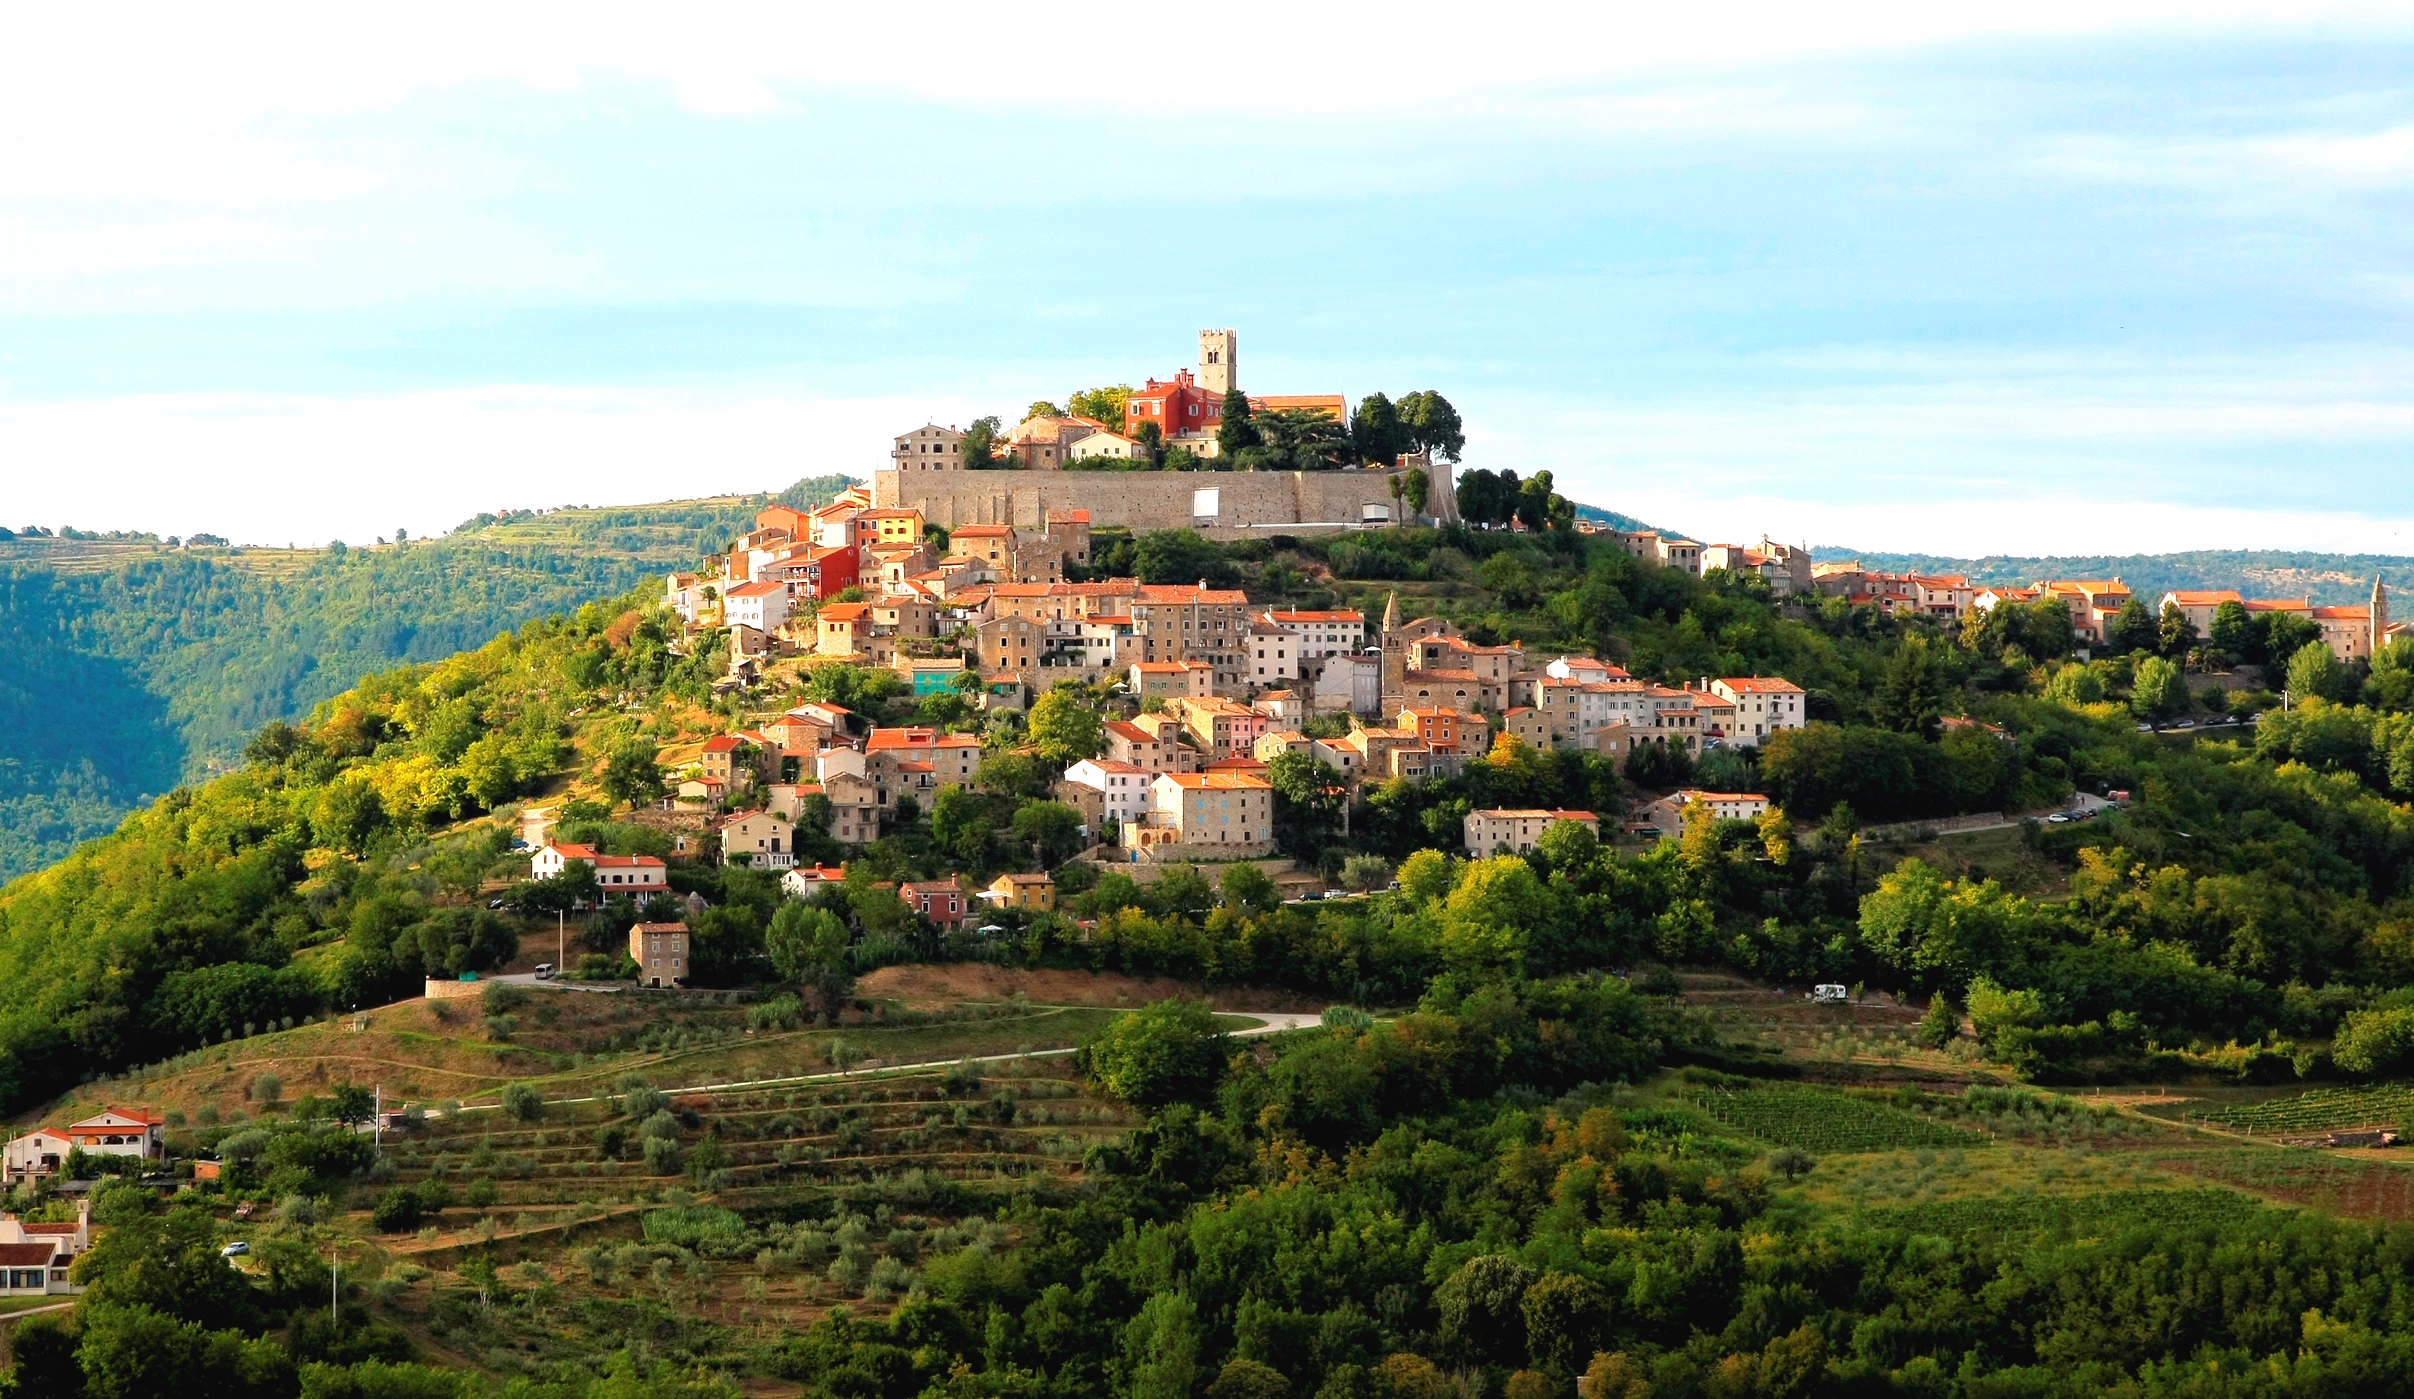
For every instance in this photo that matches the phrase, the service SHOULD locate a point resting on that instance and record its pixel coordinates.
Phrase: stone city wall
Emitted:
(1244, 503)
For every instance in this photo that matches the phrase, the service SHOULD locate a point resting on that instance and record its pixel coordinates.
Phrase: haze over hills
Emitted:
(2280, 573)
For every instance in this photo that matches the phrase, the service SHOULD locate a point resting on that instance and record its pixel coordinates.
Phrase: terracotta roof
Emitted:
(2274, 604)
(574, 852)
(1534, 813)
(1242, 781)
(763, 589)
(845, 612)
(659, 928)
(1758, 684)
(27, 1255)
(625, 862)
(1691, 794)
(142, 1119)
(1125, 729)
(1346, 616)
(723, 743)
(2203, 597)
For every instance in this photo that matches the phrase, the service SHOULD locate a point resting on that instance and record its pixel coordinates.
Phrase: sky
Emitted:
(2063, 278)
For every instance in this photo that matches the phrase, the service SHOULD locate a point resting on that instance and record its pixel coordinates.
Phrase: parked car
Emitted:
(1828, 994)
(235, 1250)
(495, 903)
(544, 971)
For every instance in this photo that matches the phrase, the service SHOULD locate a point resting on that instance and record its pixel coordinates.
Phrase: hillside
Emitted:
(127, 668)
(1493, 1167)
(2326, 578)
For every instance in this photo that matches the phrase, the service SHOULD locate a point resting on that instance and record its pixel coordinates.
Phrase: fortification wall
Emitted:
(1245, 502)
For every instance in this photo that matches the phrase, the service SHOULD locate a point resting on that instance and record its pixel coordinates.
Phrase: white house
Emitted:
(766, 840)
(1668, 813)
(1322, 634)
(804, 881)
(1516, 830)
(1113, 446)
(635, 875)
(763, 606)
(1273, 655)
(40, 1152)
(34, 1257)
(1122, 786)
(1763, 705)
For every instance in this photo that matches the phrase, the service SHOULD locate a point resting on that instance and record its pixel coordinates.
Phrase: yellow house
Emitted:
(893, 526)
(1023, 891)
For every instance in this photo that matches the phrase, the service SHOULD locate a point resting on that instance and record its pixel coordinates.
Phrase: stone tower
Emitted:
(2380, 617)
(1219, 360)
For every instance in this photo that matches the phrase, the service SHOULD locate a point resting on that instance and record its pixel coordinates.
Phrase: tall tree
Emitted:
(1376, 431)
(2231, 633)
(1432, 425)
(2133, 628)
(1042, 408)
(632, 776)
(1065, 729)
(980, 443)
(2176, 636)
(1914, 690)
(1106, 404)
(1238, 430)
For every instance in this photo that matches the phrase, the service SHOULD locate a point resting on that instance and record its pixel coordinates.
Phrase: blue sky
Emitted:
(2071, 279)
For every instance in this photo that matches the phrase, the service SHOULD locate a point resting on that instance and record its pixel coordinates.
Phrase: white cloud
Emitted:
(275, 471)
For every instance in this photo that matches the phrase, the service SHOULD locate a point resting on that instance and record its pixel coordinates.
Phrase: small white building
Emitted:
(1668, 813)
(1514, 830)
(1763, 705)
(1122, 787)
(34, 1258)
(633, 875)
(763, 606)
(1273, 655)
(766, 839)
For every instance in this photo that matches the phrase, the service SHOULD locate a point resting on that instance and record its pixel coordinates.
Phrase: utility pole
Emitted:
(561, 940)
(377, 1122)
(334, 1287)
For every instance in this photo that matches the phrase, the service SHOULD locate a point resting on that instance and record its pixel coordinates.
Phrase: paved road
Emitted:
(1270, 1022)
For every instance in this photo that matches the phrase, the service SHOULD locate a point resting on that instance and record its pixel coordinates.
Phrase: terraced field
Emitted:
(2321, 1110)
(1813, 1120)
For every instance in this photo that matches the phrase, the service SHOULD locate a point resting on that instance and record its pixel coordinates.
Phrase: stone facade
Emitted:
(1244, 503)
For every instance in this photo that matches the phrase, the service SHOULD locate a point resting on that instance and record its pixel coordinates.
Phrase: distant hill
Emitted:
(2326, 578)
(127, 667)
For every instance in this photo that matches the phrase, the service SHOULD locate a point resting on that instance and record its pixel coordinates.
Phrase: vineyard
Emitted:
(1814, 1120)
(2065, 1216)
(2321, 1110)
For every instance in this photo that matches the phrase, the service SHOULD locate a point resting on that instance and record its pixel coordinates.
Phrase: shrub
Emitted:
(661, 1155)
(1163, 1053)
(266, 1089)
(397, 1211)
(522, 1103)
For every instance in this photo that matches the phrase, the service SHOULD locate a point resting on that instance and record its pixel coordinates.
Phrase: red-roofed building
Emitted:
(1763, 705)
(1514, 831)
(940, 901)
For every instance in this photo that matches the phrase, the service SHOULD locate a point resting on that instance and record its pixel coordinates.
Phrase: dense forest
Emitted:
(121, 681)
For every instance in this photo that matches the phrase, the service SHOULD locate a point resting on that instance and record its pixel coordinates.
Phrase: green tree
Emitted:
(1364, 872)
(1481, 1306)
(1308, 796)
(522, 1103)
(2176, 635)
(1237, 432)
(1065, 728)
(352, 1104)
(808, 946)
(2284, 635)
(1051, 828)
(1161, 1348)
(1179, 556)
(980, 443)
(1419, 490)
(2315, 673)
(1941, 1024)
(1248, 1379)
(2133, 628)
(1042, 408)
(1566, 1317)
(1248, 889)
(1376, 431)
(1107, 404)
(632, 775)
(1168, 1052)
(1914, 691)
(1432, 425)
(2231, 633)
(2157, 690)
(1497, 908)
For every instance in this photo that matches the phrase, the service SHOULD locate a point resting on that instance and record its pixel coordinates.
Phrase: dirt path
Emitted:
(950, 983)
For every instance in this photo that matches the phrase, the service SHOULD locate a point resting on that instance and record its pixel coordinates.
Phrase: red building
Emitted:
(1179, 409)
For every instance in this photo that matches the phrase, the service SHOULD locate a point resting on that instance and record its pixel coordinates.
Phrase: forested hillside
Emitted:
(2326, 578)
(1511, 1156)
(126, 669)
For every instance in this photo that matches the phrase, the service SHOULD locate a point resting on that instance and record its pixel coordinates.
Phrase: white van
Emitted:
(1828, 994)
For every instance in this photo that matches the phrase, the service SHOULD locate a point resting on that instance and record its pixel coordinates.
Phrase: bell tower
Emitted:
(1219, 361)
(2380, 616)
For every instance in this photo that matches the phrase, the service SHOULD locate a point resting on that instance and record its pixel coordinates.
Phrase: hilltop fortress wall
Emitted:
(1234, 504)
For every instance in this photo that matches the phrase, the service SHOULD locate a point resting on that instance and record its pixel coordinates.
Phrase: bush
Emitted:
(397, 1211)
(1172, 1051)
(522, 1103)
(661, 1156)
(2372, 1043)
